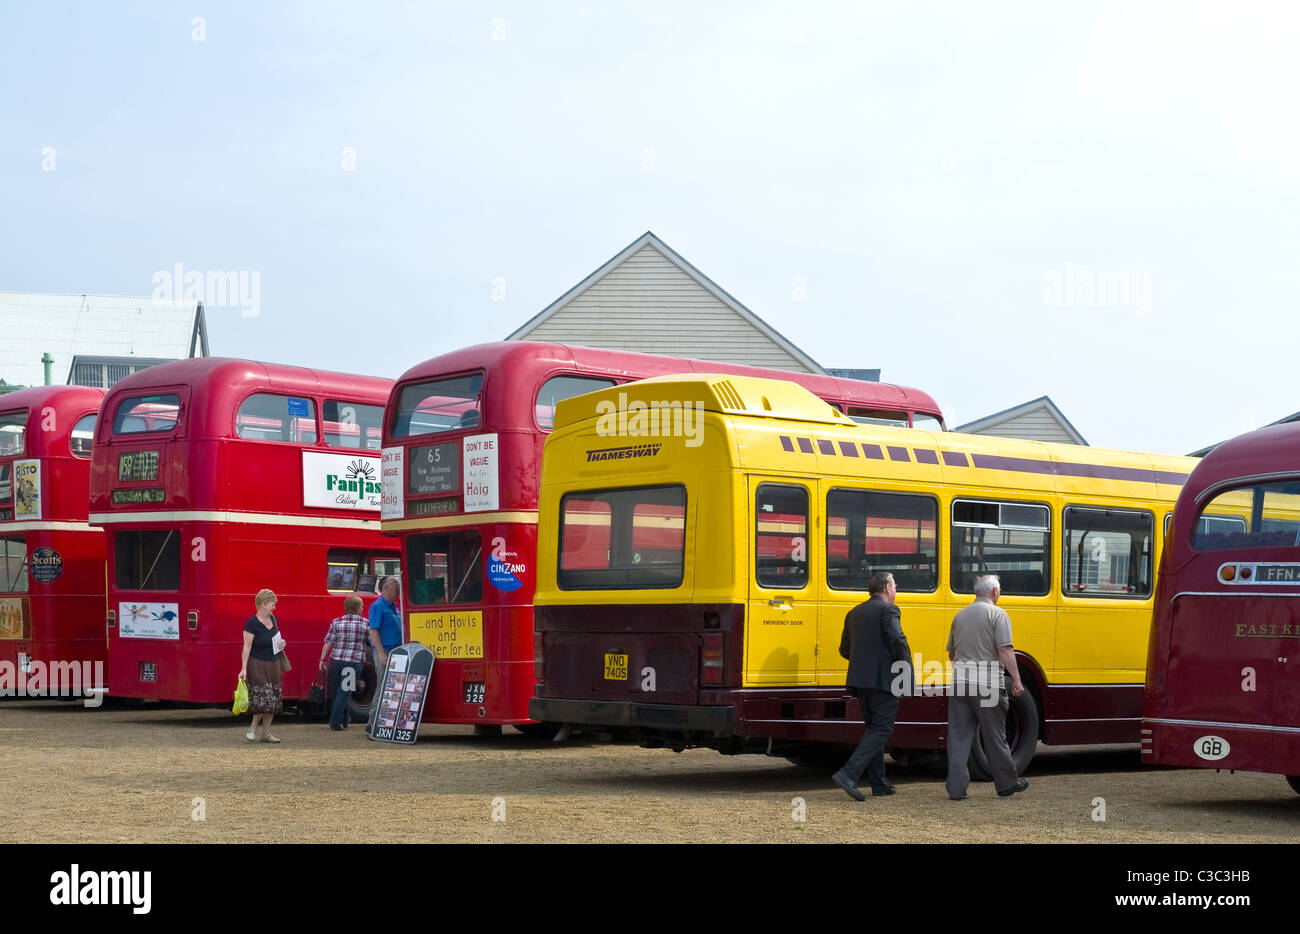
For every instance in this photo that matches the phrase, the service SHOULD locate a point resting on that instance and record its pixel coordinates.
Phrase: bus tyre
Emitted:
(1294, 782)
(1023, 726)
(361, 699)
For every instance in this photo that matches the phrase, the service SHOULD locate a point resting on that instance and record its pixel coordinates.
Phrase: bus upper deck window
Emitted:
(13, 433)
(927, 422)
(13, 565)
(877, 417)
(266, 416)
(557, 389)
(83, 435)
(353, 425)
(140, 414)
(439, 405)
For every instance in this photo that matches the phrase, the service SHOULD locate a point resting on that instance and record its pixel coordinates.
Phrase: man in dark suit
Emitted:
(873, 639)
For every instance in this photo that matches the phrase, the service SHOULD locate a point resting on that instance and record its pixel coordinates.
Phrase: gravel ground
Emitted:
(121, 774)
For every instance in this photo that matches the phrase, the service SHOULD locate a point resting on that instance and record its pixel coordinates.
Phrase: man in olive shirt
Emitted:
(979, 640)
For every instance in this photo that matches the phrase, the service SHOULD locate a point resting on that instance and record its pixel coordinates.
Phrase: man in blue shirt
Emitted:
(385, 623)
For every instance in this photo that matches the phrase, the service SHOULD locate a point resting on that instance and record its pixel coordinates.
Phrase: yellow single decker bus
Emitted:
(701, 538)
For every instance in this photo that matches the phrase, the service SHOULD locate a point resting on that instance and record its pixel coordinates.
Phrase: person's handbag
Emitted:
(284, 661)
(278, 643)
(241, 698)
(316, 694)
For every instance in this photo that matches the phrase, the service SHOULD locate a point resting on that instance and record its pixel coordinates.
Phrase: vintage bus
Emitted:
(462, 448)
(696, 592)
(1223, 691)
(214, 478)
(51, 559)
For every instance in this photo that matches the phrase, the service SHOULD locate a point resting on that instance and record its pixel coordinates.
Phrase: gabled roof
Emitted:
(648, 239)
(66, 326)
(989, 423)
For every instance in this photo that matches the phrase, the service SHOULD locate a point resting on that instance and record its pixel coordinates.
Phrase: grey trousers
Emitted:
(964, 713)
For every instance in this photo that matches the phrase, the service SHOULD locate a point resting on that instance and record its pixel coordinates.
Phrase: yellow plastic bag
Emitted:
(241, 698)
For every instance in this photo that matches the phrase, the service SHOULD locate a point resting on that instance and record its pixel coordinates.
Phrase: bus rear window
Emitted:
(626, 539)
(147, 559)
(876, 417)
(439, 405)
(13, 433)
(13, 565)
(445, 568)
(139, 414)
(265, 416)
(1265, 515)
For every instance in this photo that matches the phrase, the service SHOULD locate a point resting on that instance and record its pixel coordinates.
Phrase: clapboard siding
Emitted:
(1037, 425)
(650, 305)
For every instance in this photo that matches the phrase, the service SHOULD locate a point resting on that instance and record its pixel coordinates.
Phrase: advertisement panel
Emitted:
(341, 481)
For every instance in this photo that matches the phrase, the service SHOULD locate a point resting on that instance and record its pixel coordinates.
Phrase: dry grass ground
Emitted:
(131, 775)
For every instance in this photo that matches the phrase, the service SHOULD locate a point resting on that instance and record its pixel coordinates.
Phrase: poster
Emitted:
(451, 634)
(14, 621)
(481, 485)
(392, 478)
(27, 489)
(149, 621)
(341, 481)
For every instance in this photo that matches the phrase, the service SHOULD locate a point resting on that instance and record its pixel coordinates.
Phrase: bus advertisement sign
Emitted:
(27, 489)
(392, 496)
(482, 492)
(149, 621)
(341, 481)
(401, 698)
(15, 622)
(454, 634)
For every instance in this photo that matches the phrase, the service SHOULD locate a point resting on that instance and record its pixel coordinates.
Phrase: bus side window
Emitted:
(781, 536)
(1106, 552)
(265, 416)
(1007, 539)
(895, 532)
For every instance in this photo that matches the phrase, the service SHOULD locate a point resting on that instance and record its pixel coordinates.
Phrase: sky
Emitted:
(991, 202)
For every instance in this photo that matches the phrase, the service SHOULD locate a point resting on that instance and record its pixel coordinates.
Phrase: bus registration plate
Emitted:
(615, 667)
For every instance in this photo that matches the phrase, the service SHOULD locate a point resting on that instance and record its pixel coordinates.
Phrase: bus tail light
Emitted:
(711, 658)
(1227, 572)
(539, 659)
(112, 618)
(192, 619)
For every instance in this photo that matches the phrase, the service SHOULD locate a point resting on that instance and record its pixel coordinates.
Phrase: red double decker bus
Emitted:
(463, 438)
(51, 559)
(215, 478)
(1223, 665)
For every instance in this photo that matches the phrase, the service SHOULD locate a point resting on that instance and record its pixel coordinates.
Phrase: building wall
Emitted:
(649, 305)
(1038, 425)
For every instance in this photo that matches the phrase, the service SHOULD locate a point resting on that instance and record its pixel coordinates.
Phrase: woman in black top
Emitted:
(259, 668)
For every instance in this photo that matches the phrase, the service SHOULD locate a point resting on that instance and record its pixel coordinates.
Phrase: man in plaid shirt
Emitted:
(348, 638)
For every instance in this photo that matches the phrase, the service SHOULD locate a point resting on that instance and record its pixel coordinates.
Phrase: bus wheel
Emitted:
(1023, 724)
(361, 699)
(1294, 782)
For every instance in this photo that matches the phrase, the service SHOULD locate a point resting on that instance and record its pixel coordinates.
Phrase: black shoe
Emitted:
(882, 790)
(962, 798)
(850, 789)
(1021, 785)
(333, 727)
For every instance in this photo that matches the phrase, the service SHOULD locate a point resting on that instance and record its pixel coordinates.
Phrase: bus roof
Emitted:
(838, 446)
(224, 382)
(531, 359)
(732, 395)
(64, 400)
